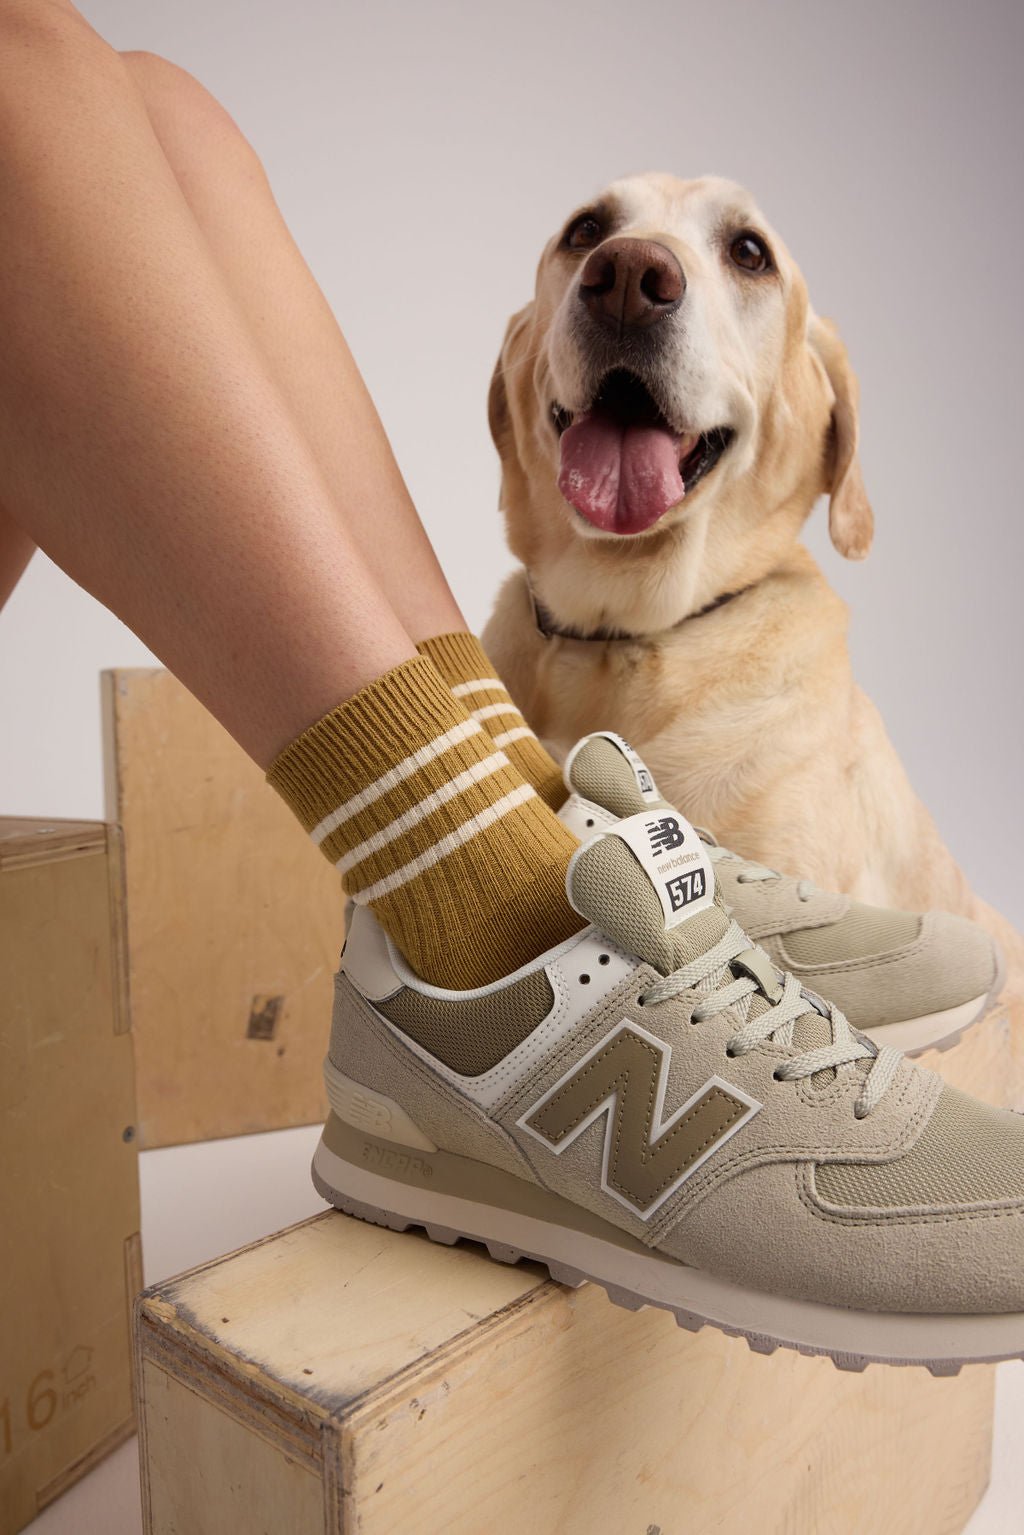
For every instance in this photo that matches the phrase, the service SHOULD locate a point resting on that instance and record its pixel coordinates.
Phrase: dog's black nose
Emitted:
(631, 282)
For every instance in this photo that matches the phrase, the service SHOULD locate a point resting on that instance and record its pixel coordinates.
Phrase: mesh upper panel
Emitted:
(968, 1153)
(610, 888)
(474, 1035)
(863, 931)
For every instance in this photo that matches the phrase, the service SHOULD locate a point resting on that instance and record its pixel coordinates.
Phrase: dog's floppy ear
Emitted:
(497, 404)
(498, 416)
(850, 519)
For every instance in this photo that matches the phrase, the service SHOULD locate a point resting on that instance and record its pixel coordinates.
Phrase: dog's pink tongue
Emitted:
(620, 478)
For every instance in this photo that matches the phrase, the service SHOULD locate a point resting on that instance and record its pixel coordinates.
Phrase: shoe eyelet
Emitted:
(603, 959)
(730, 1053)
(776, 1077)
(584, 980)
(590, 820)
(641, 1000)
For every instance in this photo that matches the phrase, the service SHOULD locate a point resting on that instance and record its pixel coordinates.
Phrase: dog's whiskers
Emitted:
(521, 362)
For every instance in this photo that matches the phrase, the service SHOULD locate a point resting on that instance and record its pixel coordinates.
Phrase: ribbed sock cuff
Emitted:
(462, 661)
(433, 826)
(459, 657)
(364, 738)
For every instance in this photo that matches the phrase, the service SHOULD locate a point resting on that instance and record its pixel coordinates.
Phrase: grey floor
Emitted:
(199, 1201)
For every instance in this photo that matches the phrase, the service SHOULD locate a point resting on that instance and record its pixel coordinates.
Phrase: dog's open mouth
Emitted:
(623, 466)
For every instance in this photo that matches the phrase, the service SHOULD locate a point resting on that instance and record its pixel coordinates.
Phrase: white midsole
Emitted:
(930, 1029)
(883, 1336)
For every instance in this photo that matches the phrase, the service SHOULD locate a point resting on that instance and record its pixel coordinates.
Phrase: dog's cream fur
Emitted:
(748, 714)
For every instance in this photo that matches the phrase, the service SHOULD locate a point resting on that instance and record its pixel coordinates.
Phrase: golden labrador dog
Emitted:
(668, 409)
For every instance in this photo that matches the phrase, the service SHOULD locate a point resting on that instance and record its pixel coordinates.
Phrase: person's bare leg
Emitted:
(145, 445)
(304, 349)
(16, 549)
(239, 226)
(143, 442)
(228, 193)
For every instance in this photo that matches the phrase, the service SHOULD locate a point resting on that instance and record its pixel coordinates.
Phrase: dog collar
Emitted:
(549, 627)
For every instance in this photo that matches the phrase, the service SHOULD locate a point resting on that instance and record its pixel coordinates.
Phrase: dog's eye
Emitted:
(750, 252)
(583, 233)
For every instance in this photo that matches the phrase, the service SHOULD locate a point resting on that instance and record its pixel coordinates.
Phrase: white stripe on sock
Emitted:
(519, 734)
(491, 711)
(426, 806)
(449, 844)
(393, 776)
(480, 685)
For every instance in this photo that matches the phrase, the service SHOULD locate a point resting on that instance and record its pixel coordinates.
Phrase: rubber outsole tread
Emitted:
(563, 1274)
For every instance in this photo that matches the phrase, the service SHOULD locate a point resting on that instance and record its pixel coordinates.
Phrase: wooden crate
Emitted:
(340, 1378)
(235, 923)
(69, 1201)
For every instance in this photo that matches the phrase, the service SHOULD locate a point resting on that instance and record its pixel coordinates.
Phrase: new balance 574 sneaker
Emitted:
(912, 981)
(653, 1106)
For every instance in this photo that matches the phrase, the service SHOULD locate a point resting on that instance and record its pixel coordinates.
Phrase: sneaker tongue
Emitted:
(648, 883)
(615, 884)
(615, 881)
(605, 769)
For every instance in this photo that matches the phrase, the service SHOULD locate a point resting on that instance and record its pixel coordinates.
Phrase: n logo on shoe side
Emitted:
(646, 1157)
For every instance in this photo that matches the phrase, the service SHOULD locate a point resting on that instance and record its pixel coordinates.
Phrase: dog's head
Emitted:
(669, 394)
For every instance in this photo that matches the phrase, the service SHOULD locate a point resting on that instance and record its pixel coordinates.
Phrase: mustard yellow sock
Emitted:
(469, 672)
(431, 825)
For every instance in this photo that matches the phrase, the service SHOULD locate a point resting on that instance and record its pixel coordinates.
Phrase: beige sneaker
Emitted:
(651, 1106)
(911, 981)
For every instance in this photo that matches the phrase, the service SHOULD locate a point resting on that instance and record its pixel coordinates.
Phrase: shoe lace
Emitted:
(787, 1002)
(752, 873)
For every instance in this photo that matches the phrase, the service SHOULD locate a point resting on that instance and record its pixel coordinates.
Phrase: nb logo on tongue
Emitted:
(671, 858)
(665, 835)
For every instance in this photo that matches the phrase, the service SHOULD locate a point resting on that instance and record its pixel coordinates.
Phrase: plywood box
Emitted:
(235, 923)
(69, 1201)
(339, 1378)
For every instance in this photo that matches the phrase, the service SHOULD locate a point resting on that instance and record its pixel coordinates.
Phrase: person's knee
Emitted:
(187, 118)
(52, 35)
(38, 19)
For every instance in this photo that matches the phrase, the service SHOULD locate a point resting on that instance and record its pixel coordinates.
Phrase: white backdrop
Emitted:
(879, 138)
